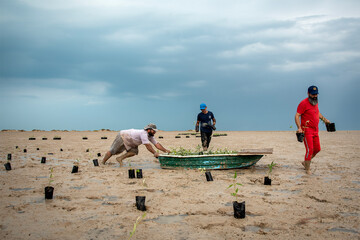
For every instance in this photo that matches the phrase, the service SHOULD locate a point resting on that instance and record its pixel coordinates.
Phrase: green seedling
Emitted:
(76, 163)
(51, 176)
(138, 220)
(270, 166)
(187, 152)
(144, 183)
(234, 185)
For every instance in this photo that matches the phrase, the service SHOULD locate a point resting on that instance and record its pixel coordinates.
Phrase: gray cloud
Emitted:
(146, 55)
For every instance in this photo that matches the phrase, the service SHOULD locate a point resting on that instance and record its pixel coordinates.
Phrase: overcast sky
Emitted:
(108, 64)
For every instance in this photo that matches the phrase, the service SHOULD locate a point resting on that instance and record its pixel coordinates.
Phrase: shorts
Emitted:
(118, 146)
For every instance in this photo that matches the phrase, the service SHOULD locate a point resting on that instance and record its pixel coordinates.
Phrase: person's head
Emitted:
(151, 129)
(313, 92)
(203, 107)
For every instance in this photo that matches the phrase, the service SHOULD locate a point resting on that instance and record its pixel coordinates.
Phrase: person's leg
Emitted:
(208, 135)
(316, 145)
(116, 148)
(132, 152)
(204, 141)
(309, 147)
(106, 157)
(126, 155)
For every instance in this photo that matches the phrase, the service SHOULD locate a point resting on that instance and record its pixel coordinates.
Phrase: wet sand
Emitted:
(99, 202)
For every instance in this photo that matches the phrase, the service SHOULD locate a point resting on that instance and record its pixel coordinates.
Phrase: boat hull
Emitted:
(208, 161)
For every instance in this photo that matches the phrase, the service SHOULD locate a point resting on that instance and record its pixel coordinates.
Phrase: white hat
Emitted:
(151, 126)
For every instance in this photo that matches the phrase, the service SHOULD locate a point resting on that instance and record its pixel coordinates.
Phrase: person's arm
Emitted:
(160, 147)
(321, 117)
(197, 126)
(151, 149)
(297, 122)
(214, 121)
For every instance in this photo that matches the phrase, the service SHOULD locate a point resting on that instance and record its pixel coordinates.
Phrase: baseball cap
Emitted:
(151, 126)
(202, 106)
(313, 90)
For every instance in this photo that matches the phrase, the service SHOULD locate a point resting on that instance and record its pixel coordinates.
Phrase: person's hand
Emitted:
(299, 130)
(156, 154)
(213, 127)
(197, 128)
(327, 121)
(168, 151)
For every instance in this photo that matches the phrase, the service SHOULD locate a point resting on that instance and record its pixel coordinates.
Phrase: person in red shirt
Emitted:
(308, 111)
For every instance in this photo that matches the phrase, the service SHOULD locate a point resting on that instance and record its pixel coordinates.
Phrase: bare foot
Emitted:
(308, 172)
(103, 162)
(303, 163)
(119, 159)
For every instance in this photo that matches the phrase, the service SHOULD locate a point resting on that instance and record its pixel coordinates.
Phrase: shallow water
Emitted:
(343, 230)
(21, 189)
(255, 229)
(169, 219)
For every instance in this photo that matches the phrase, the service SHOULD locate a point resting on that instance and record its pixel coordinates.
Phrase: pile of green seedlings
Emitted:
(197, 151)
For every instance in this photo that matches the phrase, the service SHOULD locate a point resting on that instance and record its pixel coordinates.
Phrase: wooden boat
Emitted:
(243, 158)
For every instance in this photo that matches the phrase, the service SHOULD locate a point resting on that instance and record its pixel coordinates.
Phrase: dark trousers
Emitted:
(205, 139)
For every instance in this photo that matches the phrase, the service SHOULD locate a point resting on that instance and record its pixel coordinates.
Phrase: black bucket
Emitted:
(139, 173)
(330, 127)
(267, 181)
(131, 173)
(300, 137)
(208, 176)
(7, 166)
(96, 163)
(75, 169)
(49, 191)
(140, 203)
(239, 209)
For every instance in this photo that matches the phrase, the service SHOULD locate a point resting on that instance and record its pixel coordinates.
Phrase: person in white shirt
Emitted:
(129, 140)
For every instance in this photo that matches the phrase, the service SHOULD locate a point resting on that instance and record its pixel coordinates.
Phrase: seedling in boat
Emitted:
(234, 185)
(138, 220)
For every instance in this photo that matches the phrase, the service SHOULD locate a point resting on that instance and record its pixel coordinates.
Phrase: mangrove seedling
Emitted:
(270, 166)
(51, 176)
(144, 183)
(138, 220)
(234, 185)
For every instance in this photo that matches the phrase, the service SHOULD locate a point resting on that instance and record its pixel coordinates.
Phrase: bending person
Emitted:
(129, 140)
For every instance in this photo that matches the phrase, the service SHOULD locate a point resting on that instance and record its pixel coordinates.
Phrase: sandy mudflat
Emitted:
(99, 202)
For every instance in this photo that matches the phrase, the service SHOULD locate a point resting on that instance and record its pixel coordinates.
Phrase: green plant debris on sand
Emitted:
(138, 220)
(219, 134)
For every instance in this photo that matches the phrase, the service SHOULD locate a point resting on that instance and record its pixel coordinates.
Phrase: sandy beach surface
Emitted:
(99, 202)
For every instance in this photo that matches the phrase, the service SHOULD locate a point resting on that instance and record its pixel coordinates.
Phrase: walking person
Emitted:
(308, 111)
(129, 140)
(206, 127)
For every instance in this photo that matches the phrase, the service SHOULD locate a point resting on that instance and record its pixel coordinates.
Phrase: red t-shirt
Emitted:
(309, 115)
